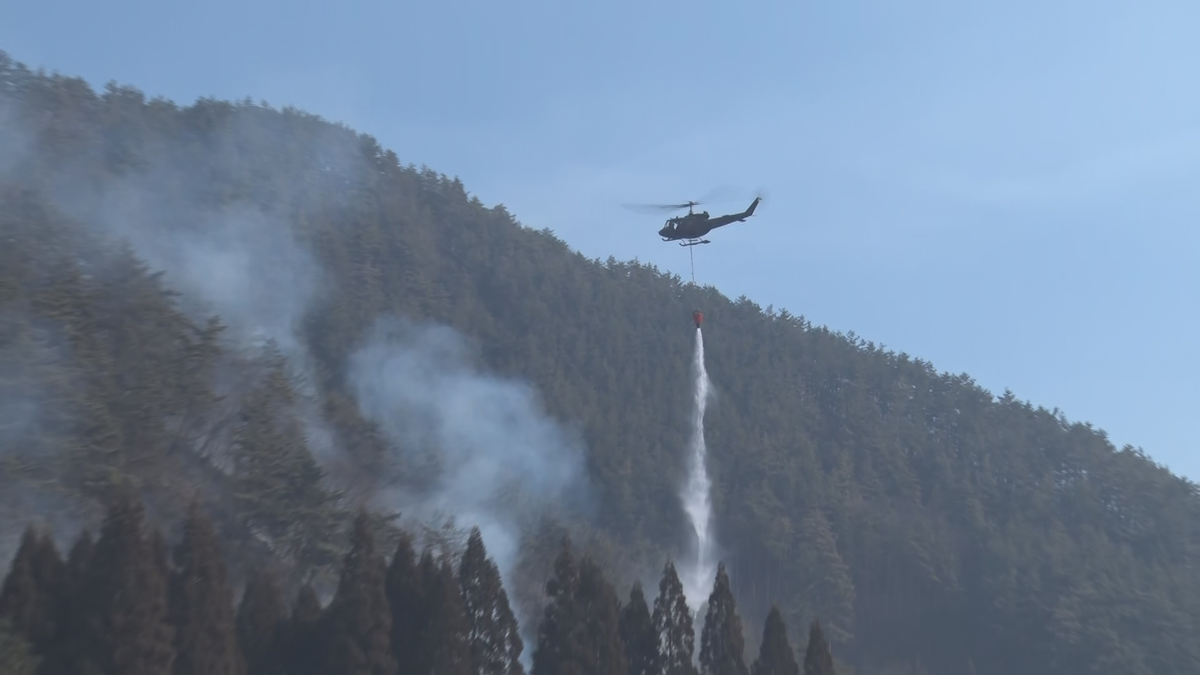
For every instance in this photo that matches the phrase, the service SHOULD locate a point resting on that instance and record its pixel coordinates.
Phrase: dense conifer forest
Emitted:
(307, 361)
(126, 603)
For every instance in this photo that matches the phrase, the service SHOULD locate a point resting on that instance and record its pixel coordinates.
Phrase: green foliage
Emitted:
(302, 635)
(641, 640)
(358, 628)
(817, 658)
(722, 642)
(124, 599)
(33, 591)
(16, 656)
(603, 647)
(201, 604)
(560, 649)
(495, 637)
(406, 598)
(73, 652)
(775, 656)
(260, 621)
(445, 630)
(278, 488)
(825, 586)
(673, 623)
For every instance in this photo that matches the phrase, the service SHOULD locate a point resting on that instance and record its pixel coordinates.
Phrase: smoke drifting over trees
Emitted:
(482, 446)
(496, 459)
(271, 317)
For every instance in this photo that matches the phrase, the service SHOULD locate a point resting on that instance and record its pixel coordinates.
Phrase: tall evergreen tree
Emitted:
(201, 604)
(445, 630)
(260, 621)
(775, 656)
(358, 624)
(307, 610)
(406, 598)
(125, 598)
(818, 659)
(828, 588)
(302, 635)
(495, 638)
(79, 561)
(560, 649)
(721, 642)
(639, 635)
(604, 652)
(33, 591)
(74, 653)
(278, 486)
(673, 623)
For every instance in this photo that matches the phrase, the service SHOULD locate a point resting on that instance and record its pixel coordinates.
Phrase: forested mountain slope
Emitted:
(271, 314)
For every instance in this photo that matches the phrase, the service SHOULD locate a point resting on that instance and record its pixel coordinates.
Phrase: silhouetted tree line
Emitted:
(923, 518)
(124, 604)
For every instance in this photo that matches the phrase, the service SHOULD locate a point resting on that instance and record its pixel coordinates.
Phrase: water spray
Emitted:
(696, 493)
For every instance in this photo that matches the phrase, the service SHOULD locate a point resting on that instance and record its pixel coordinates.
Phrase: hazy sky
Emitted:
(1009, 189)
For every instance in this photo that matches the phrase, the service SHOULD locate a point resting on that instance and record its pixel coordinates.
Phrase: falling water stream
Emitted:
(697, 575)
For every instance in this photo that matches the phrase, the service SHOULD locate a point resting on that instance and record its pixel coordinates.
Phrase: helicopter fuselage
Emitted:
(693, 226)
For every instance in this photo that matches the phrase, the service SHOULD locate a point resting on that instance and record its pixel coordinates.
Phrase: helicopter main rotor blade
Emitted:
(655, 208)
(719, 194)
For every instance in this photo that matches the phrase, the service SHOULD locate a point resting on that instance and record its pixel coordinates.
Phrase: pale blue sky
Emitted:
(1010, 190)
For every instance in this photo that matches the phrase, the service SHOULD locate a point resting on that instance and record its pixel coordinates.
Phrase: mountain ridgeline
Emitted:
(269, 315)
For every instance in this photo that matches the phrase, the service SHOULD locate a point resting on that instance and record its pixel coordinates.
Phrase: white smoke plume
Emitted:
(495, 458)
(226, 255)
(246, 266)
(14, 143)
(235, 260)
(697, 574)
(26, 433)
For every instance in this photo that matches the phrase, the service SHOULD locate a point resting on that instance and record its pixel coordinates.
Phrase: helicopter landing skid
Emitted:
(695, 243)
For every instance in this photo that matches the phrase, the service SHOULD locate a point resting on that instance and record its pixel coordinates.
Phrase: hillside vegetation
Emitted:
(127, 604)
(272, 316)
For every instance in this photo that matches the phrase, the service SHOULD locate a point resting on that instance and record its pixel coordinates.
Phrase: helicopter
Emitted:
(690, 229)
